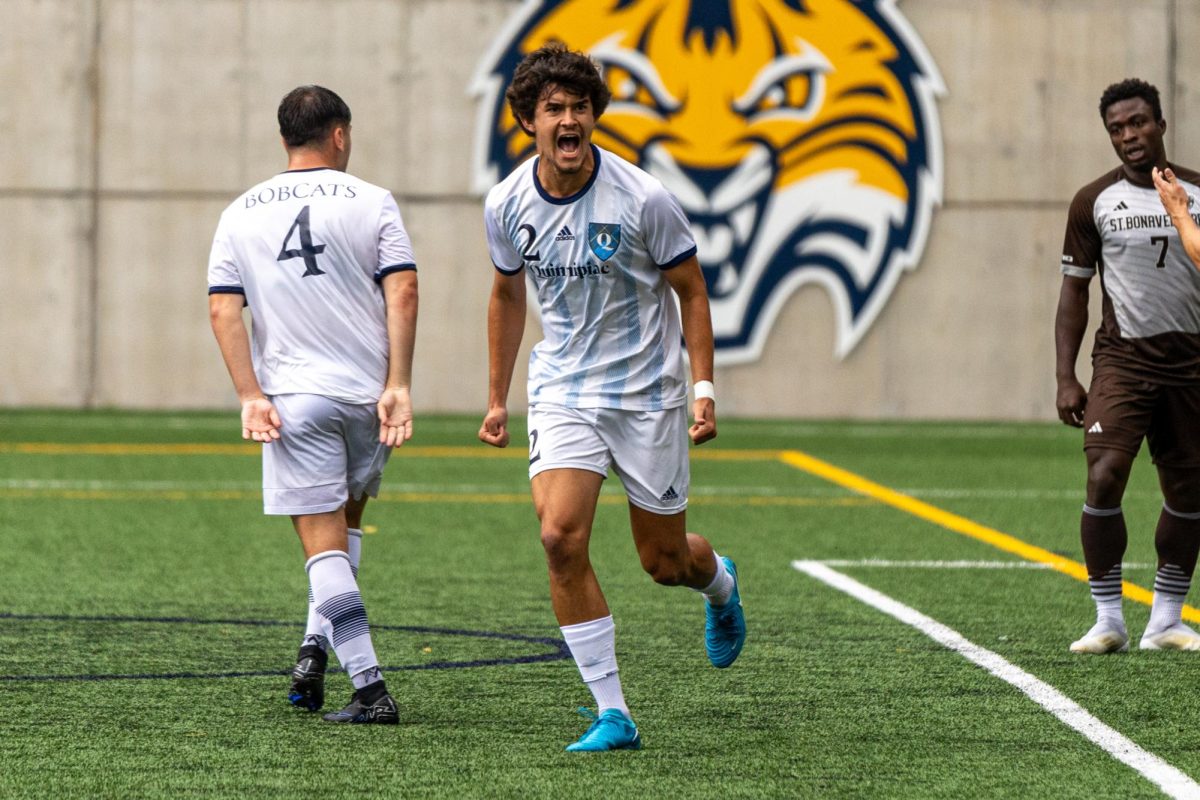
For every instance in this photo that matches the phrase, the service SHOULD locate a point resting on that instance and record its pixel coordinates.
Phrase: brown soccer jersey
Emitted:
(1151, 290)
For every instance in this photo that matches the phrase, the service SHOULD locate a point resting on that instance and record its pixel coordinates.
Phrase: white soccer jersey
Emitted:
(308, 249)
(596, 259)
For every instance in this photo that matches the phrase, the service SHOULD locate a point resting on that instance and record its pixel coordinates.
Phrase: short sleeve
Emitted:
(223, 274)
(666, 232)
(504, 256)
(395, 248)
(1082, 246)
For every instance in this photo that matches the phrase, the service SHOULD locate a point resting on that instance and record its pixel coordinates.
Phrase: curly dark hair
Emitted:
(1129, 89)
(308, 113)
(551, 67)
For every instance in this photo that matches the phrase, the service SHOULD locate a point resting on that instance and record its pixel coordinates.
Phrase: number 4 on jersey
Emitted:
(308, 251)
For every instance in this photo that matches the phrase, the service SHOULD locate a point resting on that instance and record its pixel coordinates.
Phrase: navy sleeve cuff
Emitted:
(679, 259)
(226, 290)
(383, 272)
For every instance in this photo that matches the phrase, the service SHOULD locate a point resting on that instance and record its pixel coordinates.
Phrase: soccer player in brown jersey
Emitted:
(1145, 369)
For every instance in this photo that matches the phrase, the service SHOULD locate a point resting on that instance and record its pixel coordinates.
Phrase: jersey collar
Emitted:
(562, 201)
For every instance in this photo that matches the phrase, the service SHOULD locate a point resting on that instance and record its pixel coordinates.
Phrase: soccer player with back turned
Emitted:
(604, 245)
(1145, 369)
(324, 263)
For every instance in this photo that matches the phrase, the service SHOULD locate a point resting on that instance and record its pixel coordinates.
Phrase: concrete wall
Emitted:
(132, 123)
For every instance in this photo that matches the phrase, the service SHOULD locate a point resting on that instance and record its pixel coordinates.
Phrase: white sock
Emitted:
(1171, 586)
(1106, 592)
(366, 677)
(340, 612)
(354, 538)
(593, 645)
(312, 630)
(718, 592)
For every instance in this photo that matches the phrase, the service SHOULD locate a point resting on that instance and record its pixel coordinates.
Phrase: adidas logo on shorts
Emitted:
(669, 495)
(1096, 429)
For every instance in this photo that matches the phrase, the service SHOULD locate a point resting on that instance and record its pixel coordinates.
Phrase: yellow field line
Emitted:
(235, 449)
(793, 458)
(957, 524)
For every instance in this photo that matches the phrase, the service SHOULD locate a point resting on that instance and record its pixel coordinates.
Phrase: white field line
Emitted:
(885, 564)
(726, 490)
(1169, 779)
(898, 431)
(229, 422)
(100, 485)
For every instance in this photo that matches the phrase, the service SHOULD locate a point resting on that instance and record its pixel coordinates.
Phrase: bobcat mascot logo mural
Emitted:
(800, 136)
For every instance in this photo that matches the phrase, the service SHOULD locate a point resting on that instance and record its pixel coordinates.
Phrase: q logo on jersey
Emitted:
(604, 239)
(800, 136)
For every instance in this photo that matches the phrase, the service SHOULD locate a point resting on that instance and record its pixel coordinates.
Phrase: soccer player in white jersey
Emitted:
(1145, 369)
(324, 263)
(604, 245)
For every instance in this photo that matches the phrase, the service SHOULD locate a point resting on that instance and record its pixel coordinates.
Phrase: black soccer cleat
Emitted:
(308, 679)
(363, 711)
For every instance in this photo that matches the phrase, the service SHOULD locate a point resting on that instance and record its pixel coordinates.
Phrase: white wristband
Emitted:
(705, 389)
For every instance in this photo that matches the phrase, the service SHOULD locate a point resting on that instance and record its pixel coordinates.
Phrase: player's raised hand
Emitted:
(1174, 197)
(1071, 401)
(494, 430)
(704, 412)
(395, 416)
(260, 420)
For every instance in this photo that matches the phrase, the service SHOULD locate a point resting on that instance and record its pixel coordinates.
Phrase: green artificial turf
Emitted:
(157, 565)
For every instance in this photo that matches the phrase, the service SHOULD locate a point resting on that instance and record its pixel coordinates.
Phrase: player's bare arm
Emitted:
(1069, 326)
(688, 282)
(1175, 200)
(395, 403)
(260, 421)
(506, 326)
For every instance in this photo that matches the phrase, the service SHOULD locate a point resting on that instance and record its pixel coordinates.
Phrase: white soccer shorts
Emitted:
(327, 452)
(648, 450)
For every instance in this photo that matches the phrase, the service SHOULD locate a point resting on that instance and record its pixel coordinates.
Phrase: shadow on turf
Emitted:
(558, 653)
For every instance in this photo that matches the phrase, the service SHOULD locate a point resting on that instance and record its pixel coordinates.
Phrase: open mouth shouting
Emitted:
(569, 144)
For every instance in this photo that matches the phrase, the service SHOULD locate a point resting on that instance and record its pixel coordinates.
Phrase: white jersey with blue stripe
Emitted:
(612, 334)
(308, 250)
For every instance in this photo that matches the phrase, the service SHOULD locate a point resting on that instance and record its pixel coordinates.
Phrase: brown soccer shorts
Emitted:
(1122, 409)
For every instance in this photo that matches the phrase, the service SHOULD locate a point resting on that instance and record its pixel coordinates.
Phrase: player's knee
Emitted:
(1180, 488)
(1106, 481)
(563, 546)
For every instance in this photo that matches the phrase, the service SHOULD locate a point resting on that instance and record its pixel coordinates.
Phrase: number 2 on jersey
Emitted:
(308, 251)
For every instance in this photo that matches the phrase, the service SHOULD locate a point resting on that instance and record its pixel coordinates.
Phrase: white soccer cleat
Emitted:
(1176, 637)
(1104, 637)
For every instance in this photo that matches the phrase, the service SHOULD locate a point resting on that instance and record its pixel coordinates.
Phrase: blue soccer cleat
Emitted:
(612, 730)
(725, 626)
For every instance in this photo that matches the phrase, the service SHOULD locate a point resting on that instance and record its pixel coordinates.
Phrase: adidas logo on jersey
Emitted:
(1121, 206)
(565, 235)
(669, 495)
(1096, 429)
